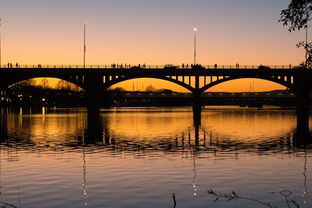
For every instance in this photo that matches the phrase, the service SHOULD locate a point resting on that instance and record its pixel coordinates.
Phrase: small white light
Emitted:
(195, 29)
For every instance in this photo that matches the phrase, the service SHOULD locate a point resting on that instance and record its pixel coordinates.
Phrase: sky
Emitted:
(153, 32)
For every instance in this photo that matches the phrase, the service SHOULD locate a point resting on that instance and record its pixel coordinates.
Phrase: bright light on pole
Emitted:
(84, 44)
(195, 52)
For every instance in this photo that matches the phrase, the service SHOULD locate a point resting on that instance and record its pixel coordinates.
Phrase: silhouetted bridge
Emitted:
(197, 79)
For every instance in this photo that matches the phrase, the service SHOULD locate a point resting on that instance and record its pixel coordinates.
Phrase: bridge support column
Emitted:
(197, 108)
(303, 106)
(303, 112)
(3, 123)
(93, 90)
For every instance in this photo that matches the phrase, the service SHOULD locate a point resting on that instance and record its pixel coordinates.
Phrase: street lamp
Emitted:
(0, 43)
(84, 44)
(306, 46)
(195, 34)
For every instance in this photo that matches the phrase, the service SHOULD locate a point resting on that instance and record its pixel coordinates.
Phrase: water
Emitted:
(139, 157)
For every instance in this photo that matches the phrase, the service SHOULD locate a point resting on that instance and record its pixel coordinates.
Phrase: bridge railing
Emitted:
(143, 66)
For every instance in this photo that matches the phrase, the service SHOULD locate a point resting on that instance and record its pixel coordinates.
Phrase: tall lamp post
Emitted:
(195, 52)
(84, 44)
(306, 46)
(0, 44)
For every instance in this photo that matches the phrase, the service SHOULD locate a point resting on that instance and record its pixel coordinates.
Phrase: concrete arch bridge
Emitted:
(197, 79)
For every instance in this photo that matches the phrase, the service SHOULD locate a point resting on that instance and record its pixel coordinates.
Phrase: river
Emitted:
(140, 157)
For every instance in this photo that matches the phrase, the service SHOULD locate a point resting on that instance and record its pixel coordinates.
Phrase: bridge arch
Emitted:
(122, 79)
(289, 85)
(15, 80)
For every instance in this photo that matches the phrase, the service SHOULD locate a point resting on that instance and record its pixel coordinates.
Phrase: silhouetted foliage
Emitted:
(150, 88)
(308, 48)
(296, 17)
(24, 84)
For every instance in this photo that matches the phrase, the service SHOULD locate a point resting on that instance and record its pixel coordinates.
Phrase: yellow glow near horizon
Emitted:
(140, 84)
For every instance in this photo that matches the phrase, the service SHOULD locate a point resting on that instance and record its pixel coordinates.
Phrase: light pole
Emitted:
(0, 44)
(306, 46)
(195, 36)
(84, 44)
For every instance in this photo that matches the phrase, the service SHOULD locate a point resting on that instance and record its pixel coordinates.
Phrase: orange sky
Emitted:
(151, 32)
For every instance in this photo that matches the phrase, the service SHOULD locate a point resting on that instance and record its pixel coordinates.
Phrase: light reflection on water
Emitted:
(138, 157)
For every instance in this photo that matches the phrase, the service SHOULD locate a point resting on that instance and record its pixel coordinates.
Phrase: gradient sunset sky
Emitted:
(151, 32)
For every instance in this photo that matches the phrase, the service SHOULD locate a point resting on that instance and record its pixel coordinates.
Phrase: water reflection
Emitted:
(154, 129)
(104, 155)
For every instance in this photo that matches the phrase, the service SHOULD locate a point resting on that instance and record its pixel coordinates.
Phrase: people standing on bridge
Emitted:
(16, 64)
(216, 66)
(183, 65)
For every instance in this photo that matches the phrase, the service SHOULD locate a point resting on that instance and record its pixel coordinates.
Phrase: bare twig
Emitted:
(174, 200)
(235, 196)
(7, 205)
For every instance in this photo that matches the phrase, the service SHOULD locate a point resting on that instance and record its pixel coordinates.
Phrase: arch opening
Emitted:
(248, 92)
(47, 83)
(46, 91)
(149, 84)
(233, 85)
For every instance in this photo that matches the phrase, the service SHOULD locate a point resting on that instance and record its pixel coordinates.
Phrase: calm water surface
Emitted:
(138, 157)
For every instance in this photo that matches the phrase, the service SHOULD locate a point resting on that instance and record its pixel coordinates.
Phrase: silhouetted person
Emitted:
(16, 65)
(11, 65)
(215, 66)
(183, 65)
(187, 66)
(8, 65)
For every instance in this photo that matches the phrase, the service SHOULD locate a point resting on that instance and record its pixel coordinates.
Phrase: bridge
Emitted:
(197, 79)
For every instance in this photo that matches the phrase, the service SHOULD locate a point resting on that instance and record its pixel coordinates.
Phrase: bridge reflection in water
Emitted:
(196, 138)
(96, 130)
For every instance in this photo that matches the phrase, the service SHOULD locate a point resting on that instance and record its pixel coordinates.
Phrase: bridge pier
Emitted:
(3, 123)
(303, 105)
(93, 91)
(303, 113)
(197, 108)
